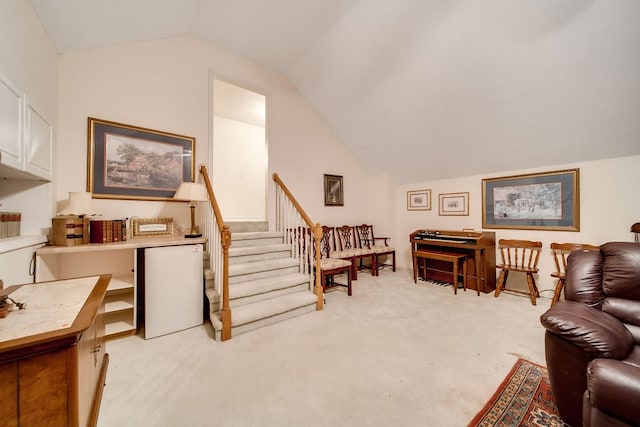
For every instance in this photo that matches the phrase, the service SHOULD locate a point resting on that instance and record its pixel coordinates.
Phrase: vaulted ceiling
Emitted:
(419, 89)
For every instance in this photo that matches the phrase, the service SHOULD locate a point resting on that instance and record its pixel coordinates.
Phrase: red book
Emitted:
(101, 231)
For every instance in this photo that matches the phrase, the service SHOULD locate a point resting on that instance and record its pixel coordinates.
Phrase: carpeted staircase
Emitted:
(265, 285)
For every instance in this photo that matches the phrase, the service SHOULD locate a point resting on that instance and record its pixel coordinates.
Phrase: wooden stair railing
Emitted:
(291, 216)
(225, 242)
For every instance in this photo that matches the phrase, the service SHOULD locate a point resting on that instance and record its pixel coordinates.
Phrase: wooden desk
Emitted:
(53, 359)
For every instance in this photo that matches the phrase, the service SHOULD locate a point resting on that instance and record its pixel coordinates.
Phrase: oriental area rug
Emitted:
(524, 398)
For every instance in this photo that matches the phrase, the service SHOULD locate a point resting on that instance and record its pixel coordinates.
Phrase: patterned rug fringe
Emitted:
(523, 399)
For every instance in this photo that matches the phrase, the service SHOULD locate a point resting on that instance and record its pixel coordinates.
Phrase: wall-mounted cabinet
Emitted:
(11, 114)
(26, 136)
(26, 170)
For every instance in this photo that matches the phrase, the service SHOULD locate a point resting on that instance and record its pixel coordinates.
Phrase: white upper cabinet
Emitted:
(26, 137)
(11, 112)
(38, 143)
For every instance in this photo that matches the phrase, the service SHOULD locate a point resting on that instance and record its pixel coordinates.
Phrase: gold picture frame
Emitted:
(141, 227)
(131, 162)
(419, 200)
(454, 204)
(535, 201)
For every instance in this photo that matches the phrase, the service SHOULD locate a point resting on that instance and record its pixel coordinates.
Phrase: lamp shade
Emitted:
(79, 204)
(191, 191)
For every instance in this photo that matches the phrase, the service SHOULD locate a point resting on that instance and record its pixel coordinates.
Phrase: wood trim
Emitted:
(95, 408)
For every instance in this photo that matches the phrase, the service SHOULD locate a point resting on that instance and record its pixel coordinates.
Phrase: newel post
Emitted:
(225, 313)
(317, 289)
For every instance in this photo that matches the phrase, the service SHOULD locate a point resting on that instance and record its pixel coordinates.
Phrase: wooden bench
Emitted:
(454, 259)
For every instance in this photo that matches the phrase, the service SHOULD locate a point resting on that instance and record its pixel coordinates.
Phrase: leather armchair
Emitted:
(592, 338)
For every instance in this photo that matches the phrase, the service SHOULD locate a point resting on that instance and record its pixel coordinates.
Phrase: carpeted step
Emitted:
(258, 290)
(258, 253)
(256, 238)
(247, 226)
(263, 313)
(270, 287)
(244, 272)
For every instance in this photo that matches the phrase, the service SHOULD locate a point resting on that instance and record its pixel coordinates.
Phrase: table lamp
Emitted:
(80, 204)
(193, 192)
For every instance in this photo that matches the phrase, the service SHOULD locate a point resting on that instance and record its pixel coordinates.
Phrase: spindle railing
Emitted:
(302, 234)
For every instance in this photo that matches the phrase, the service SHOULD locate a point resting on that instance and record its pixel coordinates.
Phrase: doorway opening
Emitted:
(239, 151)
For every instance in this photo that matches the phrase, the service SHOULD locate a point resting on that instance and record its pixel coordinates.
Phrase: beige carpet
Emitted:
(393, 354)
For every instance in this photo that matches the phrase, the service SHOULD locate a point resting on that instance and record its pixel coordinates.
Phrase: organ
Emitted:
(479, 246)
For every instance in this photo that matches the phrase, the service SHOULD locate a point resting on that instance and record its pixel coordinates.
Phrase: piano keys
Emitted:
(479, 246)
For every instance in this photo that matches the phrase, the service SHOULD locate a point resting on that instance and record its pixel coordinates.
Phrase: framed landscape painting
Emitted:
(538, 201)
(130, 162)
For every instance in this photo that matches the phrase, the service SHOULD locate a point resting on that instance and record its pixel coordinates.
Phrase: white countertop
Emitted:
(133, 243)
(13, 243)
(49, 307)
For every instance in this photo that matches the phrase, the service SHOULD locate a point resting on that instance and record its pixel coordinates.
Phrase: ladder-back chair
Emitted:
(329, 266)
(560, 253)
(366, 239)
(521, 256)
(347, 247)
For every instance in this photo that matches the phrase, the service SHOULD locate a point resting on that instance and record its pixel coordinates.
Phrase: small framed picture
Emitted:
(453, 204)
(151, 227)
(333, 190)
(419, 200)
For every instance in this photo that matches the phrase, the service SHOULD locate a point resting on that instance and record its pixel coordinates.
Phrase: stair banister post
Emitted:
(225, 312)
(317, 289)
(225, 241)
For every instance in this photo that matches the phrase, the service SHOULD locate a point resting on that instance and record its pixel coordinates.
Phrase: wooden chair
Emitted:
(366, 239)
(347, 248)
(329, 266)
(560, 253)
(521, 256)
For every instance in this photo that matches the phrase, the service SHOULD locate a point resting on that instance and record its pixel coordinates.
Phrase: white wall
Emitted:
(239, 169)
(163, 85)
(29, 60)
(608, 207)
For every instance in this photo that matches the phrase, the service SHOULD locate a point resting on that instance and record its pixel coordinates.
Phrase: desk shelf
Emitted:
(118, 259)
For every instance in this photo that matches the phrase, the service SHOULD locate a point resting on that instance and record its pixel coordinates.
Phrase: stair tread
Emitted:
(260, 286)
(248, 235)
(258, 266)
(271, 307)
(258, 249)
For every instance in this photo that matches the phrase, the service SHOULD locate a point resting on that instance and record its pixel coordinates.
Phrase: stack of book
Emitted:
(108, 230)
(70, 230)
(10, 224)
(74, 230)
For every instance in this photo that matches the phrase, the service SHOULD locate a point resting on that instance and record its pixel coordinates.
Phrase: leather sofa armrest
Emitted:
(614, 388)
(595, 332)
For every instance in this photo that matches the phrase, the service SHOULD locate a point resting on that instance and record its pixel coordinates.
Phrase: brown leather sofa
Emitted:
(592, 338)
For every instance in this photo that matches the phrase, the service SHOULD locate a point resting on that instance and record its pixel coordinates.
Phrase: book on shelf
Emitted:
(101, 230)
(10, 224)
(86, 238)
(117, 230)
(68, 230)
